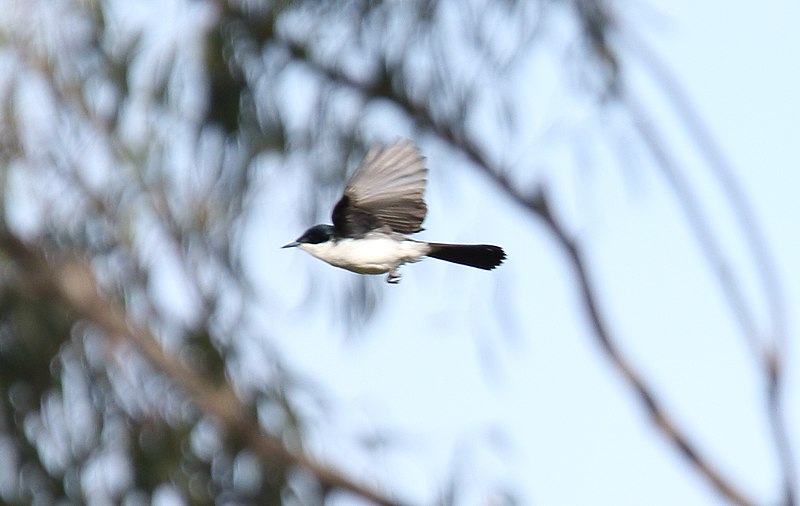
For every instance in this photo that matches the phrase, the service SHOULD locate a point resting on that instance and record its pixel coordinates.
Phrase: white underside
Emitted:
(370, 255)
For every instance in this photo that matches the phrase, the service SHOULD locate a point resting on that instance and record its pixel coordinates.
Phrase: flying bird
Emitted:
(383, 202)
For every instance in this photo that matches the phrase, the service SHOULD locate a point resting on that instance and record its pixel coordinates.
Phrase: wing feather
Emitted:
(387, 189)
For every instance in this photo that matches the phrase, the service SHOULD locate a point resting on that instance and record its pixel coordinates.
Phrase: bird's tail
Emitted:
(482, 256)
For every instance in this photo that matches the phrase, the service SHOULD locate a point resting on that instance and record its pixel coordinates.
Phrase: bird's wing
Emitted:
(386, 190)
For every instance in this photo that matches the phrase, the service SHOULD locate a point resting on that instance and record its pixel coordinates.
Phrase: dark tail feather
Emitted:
(482, 256)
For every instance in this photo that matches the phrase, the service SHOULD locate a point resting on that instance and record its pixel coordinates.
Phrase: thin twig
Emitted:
(703, 230)
(771, 359)
(768, 357)
(722, 170)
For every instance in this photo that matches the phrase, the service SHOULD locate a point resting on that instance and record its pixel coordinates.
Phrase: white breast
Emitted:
(370, 255)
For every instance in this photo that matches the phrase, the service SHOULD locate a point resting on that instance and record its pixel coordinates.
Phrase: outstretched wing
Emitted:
(386, 190)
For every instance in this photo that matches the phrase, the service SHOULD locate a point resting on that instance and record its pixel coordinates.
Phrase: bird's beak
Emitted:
(291, 245)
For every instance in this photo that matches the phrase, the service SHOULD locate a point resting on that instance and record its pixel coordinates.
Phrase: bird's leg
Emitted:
(394, 276)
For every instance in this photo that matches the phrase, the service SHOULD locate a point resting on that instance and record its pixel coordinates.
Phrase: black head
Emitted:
(314, 235)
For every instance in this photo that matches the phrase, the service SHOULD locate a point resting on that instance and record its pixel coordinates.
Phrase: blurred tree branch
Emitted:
(72, 281)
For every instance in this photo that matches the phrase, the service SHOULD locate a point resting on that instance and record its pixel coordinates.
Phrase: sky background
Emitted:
(495, 376)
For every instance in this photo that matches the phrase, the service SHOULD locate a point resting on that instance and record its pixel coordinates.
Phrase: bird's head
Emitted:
(315, 235)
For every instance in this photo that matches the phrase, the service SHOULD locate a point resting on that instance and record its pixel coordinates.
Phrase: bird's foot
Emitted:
(393, 277)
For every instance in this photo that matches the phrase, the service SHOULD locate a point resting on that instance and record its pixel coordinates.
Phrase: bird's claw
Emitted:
(393, 277)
